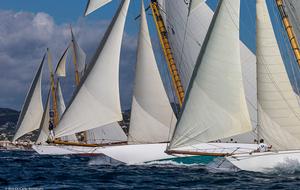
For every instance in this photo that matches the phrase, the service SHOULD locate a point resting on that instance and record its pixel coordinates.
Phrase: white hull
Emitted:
(64, 150)
(265, 161)
(135, 154)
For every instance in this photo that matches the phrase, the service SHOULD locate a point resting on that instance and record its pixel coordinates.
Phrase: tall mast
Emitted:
(162, 33)
(53, 90)
(289, 29)
(77, 78)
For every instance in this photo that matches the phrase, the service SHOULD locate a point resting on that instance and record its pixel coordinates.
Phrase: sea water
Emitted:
(28, 170)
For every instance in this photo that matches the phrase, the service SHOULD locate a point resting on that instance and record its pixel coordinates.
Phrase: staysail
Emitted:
(151, 115)
(61, 107)
(94, 5)
(292, 8)
(44, 125)
(79, 56)
(279, 111)
(96, 101)
(215, 106)
(32, 110)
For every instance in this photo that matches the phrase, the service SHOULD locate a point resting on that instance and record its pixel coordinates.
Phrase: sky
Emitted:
(29, 27)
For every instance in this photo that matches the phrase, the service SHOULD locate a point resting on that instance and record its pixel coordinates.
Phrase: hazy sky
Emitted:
(29, 27)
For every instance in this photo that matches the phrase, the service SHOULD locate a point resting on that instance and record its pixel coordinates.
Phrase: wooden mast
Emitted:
(77, 77)
(163, 37)
(53, 89)
(289, 29)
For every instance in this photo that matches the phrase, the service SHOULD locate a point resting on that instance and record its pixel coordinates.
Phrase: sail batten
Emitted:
(96, 101)
(215, 106)
(32, 110)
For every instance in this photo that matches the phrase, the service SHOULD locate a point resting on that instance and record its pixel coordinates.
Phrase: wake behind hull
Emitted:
(266, 161)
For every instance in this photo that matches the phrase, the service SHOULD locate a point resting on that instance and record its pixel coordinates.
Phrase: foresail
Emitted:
(94, 5)
(186, 32)
(279, 111)
(110, 133)
(215, 105)
(32, 110)
(61, 107)
(44, 125)
(152, 116)
(96, 101)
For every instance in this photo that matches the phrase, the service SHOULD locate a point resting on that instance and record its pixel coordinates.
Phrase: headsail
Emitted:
(97, 102)
(293, 7)
(151, 114)
(61, 107)
(279, 111)
(79, 56)
(94, 5)
(44, 125)
(32, 110)
(215, 106)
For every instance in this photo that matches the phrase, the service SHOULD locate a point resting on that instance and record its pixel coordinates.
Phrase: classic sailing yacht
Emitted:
(217, 107)
(95, 107)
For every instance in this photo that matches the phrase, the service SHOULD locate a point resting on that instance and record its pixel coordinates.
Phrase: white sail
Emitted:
(80, 56)
(215, 105)
(151, 115)
(44, 125)
(97, 102)
(94, 5)
(61, 66)
(32, 110)
(110, 133)
(186, 32)
(194, 4)
(279, 111)
(61, 107)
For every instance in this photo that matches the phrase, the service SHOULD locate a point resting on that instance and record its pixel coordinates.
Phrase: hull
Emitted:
(143, 153)
(64, 150)
(265, 161)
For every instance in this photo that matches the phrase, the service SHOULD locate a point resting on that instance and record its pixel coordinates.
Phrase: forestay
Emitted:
(96, 101)
(94, 5)
(215, 105)
(152, 116)
(279, 111)
(32, 110)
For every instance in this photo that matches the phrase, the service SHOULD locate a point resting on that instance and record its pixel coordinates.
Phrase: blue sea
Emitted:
(28, 170)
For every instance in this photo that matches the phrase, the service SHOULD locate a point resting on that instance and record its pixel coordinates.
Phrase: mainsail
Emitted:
(32, 110)
(97, 102)
(279, 111)
(292, 8)
(215, 106)
(186, 32)
(151, 113)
